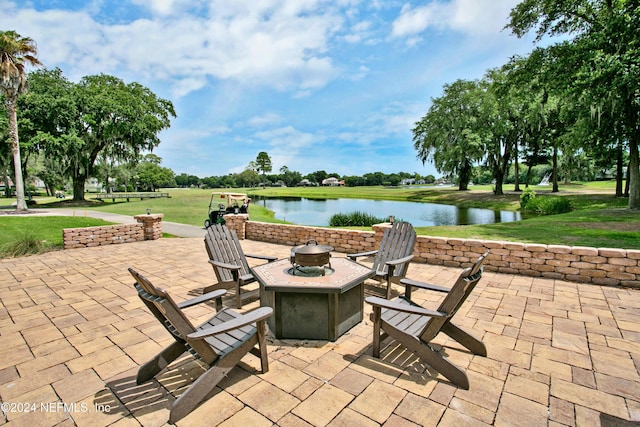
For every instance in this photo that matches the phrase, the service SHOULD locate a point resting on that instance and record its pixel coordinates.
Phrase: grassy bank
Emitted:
(599, 219)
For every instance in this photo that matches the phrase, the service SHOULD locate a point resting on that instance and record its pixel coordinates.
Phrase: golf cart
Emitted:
(225, 203)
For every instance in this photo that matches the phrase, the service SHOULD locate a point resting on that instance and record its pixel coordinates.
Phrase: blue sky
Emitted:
(317, 84)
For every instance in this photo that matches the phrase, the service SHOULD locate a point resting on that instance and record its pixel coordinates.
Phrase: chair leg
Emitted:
(201, 387)
(261, 327)
(377, 312)
(238, 296)
(431, 357)
(469, 342)
(442, 365)
(160, 361)
(238, 284)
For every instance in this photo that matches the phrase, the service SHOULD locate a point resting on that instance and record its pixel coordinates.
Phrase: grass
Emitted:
(613, 228)
(184, 206)
(599, 219)
(23, 235)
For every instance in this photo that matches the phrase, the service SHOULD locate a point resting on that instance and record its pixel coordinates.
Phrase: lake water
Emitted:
(303, 211)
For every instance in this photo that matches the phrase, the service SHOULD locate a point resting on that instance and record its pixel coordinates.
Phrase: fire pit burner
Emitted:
(310, 271)
(310, 254)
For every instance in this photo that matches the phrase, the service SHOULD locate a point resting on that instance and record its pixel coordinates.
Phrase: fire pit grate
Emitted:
(310, 271)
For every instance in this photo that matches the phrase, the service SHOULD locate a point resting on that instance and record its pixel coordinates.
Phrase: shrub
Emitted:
(552, 205)
(27, 244)
(355, 219)
(543, 205)
(527, 195)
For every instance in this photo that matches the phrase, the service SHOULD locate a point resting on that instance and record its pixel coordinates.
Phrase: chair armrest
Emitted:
(268, 258)
(202, 298)
(400, 260)
(354, 256)
(224, 265)
(244, 320)
(422, 285)
(405, 308)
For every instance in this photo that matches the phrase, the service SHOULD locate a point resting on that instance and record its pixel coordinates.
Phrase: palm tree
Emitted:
(15, 51)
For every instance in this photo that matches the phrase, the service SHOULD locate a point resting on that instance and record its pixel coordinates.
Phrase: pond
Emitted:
(317, 212)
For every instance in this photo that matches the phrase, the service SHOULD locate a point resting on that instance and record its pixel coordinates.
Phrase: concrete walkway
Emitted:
(73, 333)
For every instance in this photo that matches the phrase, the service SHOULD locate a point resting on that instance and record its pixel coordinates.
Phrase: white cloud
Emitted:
(287, 138)
(264, 119)
(288, 146)
(472, 17)
(362, 73)
(414, 20)
(279, 44)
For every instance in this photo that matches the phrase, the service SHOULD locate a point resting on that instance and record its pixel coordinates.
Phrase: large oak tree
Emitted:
(449, 135)
(77, 123)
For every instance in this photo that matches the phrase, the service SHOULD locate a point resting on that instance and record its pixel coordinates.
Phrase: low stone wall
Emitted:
(601, 266)
(102, 235)
(148, 227)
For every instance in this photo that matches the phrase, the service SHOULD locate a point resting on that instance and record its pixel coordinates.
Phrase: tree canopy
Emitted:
(99, 116)
(450, 133)
(578, 98)
(601, 64)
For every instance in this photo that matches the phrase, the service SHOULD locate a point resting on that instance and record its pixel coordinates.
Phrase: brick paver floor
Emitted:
(73, 332)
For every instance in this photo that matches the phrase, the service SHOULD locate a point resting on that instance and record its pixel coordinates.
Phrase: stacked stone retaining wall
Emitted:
(102, 235)
(601, 266)
(147, 227)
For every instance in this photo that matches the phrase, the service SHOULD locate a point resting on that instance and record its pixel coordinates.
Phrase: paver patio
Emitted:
(73, 332)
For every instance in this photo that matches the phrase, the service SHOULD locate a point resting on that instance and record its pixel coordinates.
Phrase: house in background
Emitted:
(332, 182)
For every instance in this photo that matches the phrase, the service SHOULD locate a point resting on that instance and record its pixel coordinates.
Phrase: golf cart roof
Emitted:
(229, 196)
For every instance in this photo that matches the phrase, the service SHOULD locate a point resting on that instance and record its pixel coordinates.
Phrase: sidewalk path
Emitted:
(177, 229)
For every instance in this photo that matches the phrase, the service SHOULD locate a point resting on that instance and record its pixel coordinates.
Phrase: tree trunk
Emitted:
(626, 184)
(499, 181)
(78, 179)
(78, 189)
(7, 187)
(10, 105)
(555, 170)
(464, 176)
(516, 171)
(634, 174)
(619, 172)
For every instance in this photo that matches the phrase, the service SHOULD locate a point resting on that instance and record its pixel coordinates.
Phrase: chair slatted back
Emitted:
(458, 294)
(223, 246)
(168, 313)
(398, 242)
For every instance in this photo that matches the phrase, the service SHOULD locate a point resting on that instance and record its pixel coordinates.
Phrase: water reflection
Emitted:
(318, 211)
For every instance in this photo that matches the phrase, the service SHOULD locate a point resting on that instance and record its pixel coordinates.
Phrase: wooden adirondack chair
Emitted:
(228, 260)
(392, 258)
(220, 342)
(414, 326)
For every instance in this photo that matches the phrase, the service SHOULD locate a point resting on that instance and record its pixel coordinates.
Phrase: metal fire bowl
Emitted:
(311, 254)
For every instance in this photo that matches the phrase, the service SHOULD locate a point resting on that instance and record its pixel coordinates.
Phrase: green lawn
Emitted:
(47, 230)
(599, 219)
(611, 228)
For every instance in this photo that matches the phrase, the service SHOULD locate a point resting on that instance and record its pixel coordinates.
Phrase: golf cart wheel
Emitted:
(207, 223)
